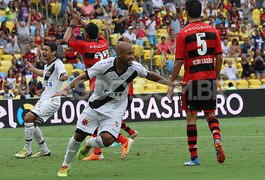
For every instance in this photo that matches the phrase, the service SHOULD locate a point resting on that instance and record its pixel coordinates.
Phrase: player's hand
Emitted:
(29, 66)
(75, 19)
(60, 93)
(70, 9)
(63, 77)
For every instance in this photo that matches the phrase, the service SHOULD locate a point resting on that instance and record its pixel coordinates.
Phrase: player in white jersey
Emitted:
(106, 106)
(53, 75)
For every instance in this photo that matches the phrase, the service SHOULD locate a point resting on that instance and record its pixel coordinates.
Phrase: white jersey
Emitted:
(111, 88)
(51, 75)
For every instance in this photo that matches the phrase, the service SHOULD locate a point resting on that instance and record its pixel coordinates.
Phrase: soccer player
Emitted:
(93, 49)
(106, 106)
(199, 49)
(53, 74)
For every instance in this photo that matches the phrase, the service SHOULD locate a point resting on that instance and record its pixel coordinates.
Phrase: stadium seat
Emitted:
(253, 76)
(87, 85)
(150, 88)
(5, 63)
(138, 50)
(256, 16)
(170, 57)
(226, 82)
(138, 89)
(242, 84)
(114, 38)
(139, 81)
(2, 13)
(161, 88)
(17, 56)
(4, 69)
(36, 1)
(160, 60)
(98, 22)
(162, 30)
(148, 54)
(1, 53)
(254, 83)
(159, 35)
(68, 68)
(182, 71)
(55, 8)
(262, 81)
(7, 57)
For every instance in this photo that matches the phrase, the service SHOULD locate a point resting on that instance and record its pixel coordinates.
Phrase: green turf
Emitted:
(158, 153)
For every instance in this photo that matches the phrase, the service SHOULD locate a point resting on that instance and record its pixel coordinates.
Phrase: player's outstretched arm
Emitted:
(159, 79)
(63, 77)
(69, 32)
(74, 83)
(31, 68)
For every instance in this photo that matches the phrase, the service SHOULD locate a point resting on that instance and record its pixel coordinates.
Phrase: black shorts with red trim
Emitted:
(199, 95)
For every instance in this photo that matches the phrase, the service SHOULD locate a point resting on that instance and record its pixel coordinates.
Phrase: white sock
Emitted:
(40, 140)
(95, 142)
(29, 129)
(71, 151)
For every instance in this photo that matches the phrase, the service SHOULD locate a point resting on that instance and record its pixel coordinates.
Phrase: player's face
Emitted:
(127, 57)
(47, 54)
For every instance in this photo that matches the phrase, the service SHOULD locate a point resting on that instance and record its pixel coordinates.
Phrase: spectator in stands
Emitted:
(144, 19)
(231, 86)
(5, 28)
(157, 19)
(133, 17)
(112, 8)
(16, 68)
(43, 27)
(120, 24)
(151, 34)
(10, 11)
(37, 38)
(247, 25)
(40, 64)
(247, 11)
(30, 57)
(210, 10)
(124, 8)
(259, 3)
(99, 8)
(148, 7)
(79, 92)
(70, 55)
(75, 6)
(24, 34)
(235, 49)
(163, 47)
(259, 64)
(175, 24)
(7, 94)
(221, 9)
(233, 33)
(130, 35)
(140, 33)
(253, 30)
(11, 79)
(23, 88)
(230, 72)
(246, 47)
(48, 37)
(234, 13)
(167, 19)
(245, 66)
(258, 42)
(158, 5)
(52, 30)
(222, 31)
(2, 83)
(262, 17)
(225, 48)
(35, 16)
(263, 31)
(87, 10)
(33, 48)
(243, 33)
(12, 48)
(3, 38)
(172, 42)
(35, 86)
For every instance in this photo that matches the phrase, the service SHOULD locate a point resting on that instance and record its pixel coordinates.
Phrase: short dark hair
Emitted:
(51, 45)
(92, 30)
(193, 8)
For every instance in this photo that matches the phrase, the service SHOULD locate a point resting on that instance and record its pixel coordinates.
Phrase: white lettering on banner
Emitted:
(72, 111)
(221, 104)
(137, 109)
(152, 108)
(56, 119)
(167, 107)
(78, 107)
(176, 106)
(10, 114)
(2, 114)
(240, 100)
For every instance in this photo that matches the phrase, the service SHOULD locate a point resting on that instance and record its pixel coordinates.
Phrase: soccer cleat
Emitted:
(81, 153)
(220, 154)
(41, 154)
(126, 147)
(23, 153)
(115, 144)
(134, 135)
(195, 162)
(94, 157)
(63, 172)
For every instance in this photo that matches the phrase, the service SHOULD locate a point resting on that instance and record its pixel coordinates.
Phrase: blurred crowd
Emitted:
(150, 25)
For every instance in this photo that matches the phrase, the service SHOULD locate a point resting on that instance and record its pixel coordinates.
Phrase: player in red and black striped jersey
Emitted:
(198, 47)
(93, 49)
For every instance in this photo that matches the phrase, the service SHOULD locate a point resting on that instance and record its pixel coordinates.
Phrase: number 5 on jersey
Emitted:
(201, 43)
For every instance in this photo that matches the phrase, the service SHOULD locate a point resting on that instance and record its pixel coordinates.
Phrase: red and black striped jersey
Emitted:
(197, 45)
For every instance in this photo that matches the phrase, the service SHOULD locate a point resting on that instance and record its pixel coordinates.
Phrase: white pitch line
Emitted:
(154, 138)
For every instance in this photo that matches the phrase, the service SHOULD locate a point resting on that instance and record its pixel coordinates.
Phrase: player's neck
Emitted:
(194, 20)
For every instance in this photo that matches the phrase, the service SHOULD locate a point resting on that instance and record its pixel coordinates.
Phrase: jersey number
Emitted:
(102, 55)
(201, 43)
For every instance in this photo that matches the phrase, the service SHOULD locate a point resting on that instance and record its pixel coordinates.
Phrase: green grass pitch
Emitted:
(158, 153)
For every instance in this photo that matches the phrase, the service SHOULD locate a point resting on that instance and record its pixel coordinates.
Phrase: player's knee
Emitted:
(29, 117)
(107, 139)
(79, 137)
